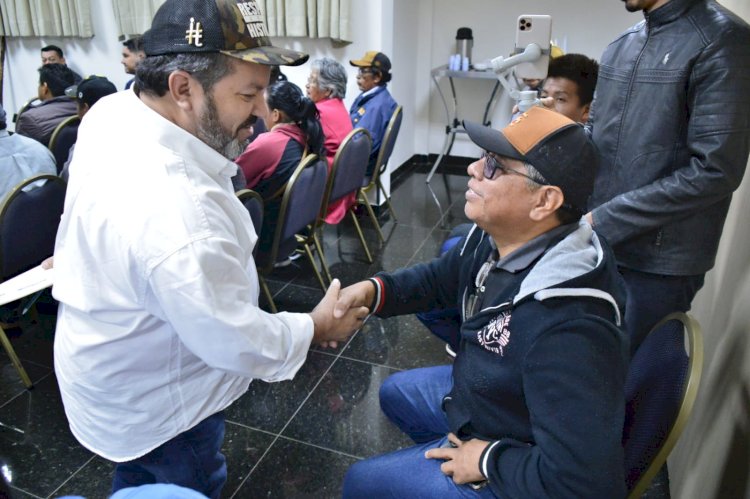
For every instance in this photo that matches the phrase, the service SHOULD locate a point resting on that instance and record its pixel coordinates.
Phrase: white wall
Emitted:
(580, 26)
(417, 34)
(98, 55)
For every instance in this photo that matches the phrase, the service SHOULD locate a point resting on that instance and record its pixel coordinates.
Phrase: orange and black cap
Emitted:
(556, 146)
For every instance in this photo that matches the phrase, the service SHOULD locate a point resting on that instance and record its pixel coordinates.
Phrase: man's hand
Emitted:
(461, 462)
(360, 294)
(329, 330)
(48, 263)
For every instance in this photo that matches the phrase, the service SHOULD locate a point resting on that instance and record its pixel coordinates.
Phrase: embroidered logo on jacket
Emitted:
(495, 336)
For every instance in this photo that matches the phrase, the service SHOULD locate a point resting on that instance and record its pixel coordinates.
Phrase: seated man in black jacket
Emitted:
(533, 405)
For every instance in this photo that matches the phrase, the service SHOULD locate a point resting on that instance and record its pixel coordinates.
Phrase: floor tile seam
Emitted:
(12, 398)
(369, 363)
(309, 394)
(286, 283)
(11, 427)
(253, 428)
(26, 492)
(437, 225)
(286, 425)
(24, 390)
(265, 452)
(321, 447)
(410, 261)
(52, 494)
(277, 436)
(26, 361)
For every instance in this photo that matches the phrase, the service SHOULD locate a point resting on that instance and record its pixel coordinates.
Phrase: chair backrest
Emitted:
(386, 147)
(253, 202)
(62, 139)
(349, 167)
(300, 206)
(660, 390)
(28, 224)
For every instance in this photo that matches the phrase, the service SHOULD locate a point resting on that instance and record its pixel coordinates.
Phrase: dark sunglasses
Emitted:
(491, 165)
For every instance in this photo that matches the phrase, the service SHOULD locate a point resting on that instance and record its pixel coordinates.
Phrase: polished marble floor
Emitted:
(293, 439)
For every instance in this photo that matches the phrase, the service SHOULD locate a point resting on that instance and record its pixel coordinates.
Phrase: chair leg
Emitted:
(321, 256)
(15, 360)
(361, 236)
(315, 267)
(387, 201)
(267, 292)
(375, 222)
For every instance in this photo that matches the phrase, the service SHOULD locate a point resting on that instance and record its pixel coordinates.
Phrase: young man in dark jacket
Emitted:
(38, 122)
(533, 405)
(671, 119)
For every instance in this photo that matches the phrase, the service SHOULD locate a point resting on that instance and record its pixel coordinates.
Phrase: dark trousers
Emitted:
(192, 459)
(651, 297)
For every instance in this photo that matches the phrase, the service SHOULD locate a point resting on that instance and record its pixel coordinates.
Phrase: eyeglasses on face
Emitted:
(492, 164)
(365, 71)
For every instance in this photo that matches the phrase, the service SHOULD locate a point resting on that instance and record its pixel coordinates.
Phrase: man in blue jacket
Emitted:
(373, 108)
(533, 405)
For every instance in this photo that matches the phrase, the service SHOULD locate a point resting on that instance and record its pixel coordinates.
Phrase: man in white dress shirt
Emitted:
(159, 328)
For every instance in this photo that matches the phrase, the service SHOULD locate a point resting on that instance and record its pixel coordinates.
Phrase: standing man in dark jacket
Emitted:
(671, 118)
(533, 405)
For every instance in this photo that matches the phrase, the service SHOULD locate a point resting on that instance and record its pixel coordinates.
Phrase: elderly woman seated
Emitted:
(326, 86)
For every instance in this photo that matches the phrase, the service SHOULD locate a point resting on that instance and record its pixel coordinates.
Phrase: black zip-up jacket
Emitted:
(540, 376)
(671, 119)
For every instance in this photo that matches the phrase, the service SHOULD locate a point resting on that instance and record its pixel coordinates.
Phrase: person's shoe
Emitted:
(448, 350)
(283, 263)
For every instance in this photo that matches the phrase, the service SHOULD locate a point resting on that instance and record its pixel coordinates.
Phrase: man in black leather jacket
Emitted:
(671, 118)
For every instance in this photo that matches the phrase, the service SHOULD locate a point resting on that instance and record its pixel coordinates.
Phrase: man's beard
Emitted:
(216, 136)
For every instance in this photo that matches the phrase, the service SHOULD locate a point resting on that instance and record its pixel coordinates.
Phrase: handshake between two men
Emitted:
(341, 312)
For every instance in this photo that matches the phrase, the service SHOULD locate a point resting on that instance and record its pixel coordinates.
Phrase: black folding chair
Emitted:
(300, 206)
(63, 137)
(373, 183)
(660, 390)
(28, 227)
(346, 177)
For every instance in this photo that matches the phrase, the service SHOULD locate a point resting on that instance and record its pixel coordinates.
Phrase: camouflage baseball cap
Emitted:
(233, 28)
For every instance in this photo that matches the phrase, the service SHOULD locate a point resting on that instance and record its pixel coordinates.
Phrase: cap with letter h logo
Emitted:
(232, 28)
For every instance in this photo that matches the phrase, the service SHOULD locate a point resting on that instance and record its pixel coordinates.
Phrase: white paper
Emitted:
(26, 284)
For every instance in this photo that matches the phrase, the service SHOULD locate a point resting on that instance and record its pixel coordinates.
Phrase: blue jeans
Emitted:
(412, 400)
(650, 297)
(192, 459)
(405, 473)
